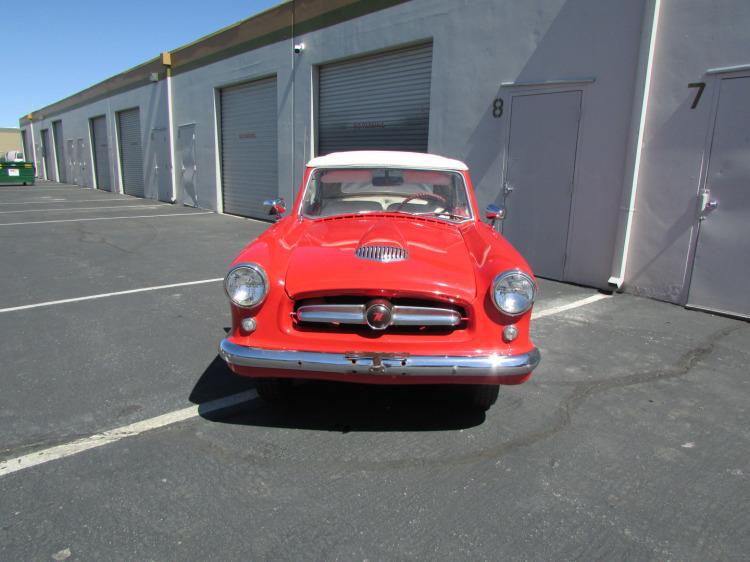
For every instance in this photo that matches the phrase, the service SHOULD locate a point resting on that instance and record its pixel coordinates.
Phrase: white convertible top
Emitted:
(386, 159)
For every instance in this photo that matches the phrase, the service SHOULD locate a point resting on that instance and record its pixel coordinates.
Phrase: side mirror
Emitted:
(276, 207)
(494, 213)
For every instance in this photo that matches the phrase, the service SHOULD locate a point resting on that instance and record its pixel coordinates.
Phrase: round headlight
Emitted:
(513, 292)
(246, 285)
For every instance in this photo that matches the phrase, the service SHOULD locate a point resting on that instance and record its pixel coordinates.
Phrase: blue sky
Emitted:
(61, 47)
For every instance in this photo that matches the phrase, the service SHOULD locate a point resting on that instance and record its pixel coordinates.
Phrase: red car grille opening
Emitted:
(369, 316)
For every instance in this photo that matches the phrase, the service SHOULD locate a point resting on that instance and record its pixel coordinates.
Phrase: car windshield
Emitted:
(343, 191)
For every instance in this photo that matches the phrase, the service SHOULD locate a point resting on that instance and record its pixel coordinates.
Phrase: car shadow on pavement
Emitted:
(339, 407)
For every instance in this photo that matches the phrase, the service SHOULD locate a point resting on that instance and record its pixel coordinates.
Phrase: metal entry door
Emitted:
(539, 174)
(379, 101)
(82, 164)
(49, 165)
(186, 170)
(722, 256)
(101, 153)
(71, 151)
(160, 171)
(57, 135)
(249, 147)
(131, 151)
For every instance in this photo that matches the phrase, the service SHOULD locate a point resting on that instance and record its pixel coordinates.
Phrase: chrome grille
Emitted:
(400, 315)
(382, 253)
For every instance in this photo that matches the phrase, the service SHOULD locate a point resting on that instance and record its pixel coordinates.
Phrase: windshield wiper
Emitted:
(441, 214)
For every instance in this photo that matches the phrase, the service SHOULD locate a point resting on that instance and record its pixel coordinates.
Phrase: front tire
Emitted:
(273, 390)
(483, 396)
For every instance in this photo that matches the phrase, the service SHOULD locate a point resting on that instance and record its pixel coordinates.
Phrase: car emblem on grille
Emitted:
(382, 253)
(379, 314)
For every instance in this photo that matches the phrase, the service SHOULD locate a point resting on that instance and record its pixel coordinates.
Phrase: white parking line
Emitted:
(81, 209)
(563, 307)
(109, 218)
(100, 200)
(105, 295)
(105, 438)
(74, 447)
(40, 189)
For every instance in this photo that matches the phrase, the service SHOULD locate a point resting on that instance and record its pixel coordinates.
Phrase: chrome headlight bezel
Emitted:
(257, 269)
(503, 277)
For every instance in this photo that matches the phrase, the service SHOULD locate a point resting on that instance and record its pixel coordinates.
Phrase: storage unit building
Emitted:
(581, 118)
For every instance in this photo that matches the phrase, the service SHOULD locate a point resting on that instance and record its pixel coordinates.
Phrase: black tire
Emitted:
(483, 396)
(273, 390)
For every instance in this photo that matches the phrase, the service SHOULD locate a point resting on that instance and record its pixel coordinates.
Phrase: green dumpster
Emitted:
(17, 172)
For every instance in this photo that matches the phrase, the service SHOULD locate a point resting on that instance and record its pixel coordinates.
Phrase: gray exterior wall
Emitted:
(482, 50)
(693, 37)
(478, 45)
(152, 100)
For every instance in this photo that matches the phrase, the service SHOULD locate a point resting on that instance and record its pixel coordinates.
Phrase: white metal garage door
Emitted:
(249, 147)
(376, 102)
(49, 165)
(57, 134)
(101, 153)
(131, 151)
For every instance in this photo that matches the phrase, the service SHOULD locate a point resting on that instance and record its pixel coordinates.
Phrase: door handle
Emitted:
(507, 189)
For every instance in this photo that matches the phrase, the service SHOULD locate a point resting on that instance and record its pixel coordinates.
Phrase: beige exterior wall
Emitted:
(10, 139)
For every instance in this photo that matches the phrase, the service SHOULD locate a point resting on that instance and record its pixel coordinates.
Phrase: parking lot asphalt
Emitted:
(631, 441)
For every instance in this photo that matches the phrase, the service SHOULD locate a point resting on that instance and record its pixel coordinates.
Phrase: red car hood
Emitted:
(323, 260)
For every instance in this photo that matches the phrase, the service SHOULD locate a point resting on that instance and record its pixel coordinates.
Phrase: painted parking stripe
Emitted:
(108, 218)
(106, 295)
(52, 200)
(569, 306)
(80, 445)
(105, 438)
(81, 209)
(40, 189)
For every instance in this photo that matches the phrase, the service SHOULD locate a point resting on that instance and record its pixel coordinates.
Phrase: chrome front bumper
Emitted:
(380, 363)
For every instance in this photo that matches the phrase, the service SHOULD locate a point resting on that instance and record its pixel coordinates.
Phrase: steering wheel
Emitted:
(423, 195)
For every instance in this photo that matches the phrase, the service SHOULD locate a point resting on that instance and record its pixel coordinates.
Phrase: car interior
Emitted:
(354, 191)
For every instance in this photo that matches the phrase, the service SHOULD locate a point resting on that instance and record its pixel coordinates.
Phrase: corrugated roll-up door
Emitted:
(49, 165)
(376, 102)
(101, 153)
(131, 151)
(249, 147)
(57, 133)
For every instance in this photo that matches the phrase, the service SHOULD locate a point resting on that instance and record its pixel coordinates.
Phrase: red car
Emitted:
(382, 273)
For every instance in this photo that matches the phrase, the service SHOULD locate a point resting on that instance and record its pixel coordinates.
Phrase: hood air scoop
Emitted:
(385, 254)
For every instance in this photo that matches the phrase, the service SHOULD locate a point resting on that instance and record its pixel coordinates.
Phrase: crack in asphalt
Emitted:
(88, 237)
(563, 415)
